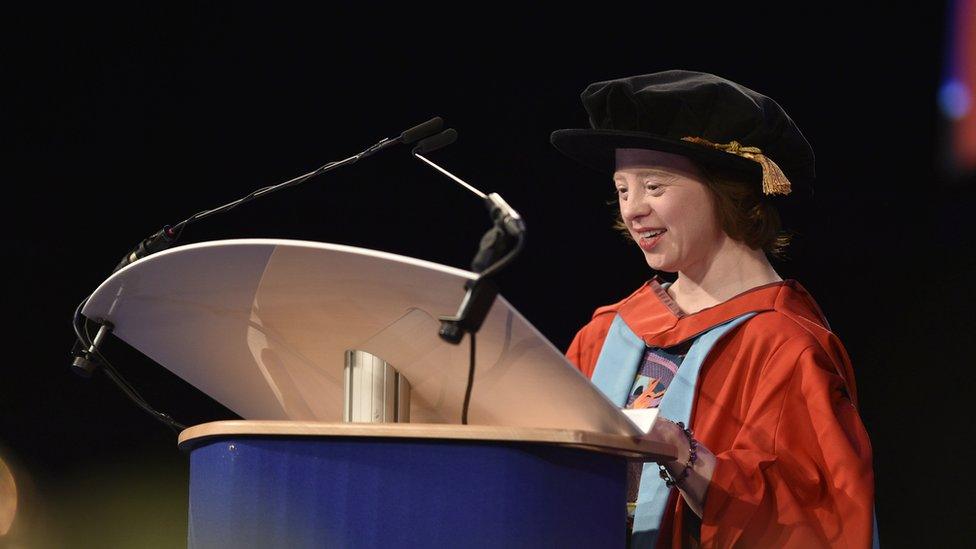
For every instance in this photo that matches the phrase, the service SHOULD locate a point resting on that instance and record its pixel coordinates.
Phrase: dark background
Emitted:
(121, 120)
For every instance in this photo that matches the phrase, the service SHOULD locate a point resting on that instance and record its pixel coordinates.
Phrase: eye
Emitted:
(652, 187)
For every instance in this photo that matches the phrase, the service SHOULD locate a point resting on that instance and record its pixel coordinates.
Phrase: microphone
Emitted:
(414, 134)
(420, 131)
(436, 142)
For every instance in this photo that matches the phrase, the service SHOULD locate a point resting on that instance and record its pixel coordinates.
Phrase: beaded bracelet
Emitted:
(670, 481)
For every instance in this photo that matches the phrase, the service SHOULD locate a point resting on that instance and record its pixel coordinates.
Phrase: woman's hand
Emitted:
(694, 487)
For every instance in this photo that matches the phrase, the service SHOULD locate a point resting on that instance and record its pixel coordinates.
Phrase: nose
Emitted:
(633, 208)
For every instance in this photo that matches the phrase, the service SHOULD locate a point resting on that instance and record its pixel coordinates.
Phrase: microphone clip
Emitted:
(86, 361)
(478, 299)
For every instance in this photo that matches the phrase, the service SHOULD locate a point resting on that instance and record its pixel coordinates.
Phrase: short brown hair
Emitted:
(743, 213)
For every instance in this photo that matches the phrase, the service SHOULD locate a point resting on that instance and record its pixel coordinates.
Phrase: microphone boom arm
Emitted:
(168, 236)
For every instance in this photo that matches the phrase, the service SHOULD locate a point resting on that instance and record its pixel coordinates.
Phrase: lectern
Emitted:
(263, 327)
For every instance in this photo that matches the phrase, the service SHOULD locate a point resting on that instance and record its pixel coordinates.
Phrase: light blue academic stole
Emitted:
(614, 374)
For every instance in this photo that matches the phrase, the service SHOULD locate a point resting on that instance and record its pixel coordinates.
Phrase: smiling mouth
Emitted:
(647, 240)
(651, 234)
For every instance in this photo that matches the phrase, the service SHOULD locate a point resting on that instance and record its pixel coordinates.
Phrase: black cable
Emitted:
(112, 374)
(134, 395)
(129, 389)
(178, 228)
(78, 321)
(81, 331)
(491, 270)
(467, 391)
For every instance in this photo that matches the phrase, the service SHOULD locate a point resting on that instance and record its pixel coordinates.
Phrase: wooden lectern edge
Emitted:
(626, 446)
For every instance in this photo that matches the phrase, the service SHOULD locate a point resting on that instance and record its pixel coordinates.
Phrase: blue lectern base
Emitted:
(354, 492)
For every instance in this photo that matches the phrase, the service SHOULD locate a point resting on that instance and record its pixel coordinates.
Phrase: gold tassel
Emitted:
(774, 181)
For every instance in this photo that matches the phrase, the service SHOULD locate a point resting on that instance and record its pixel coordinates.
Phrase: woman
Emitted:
(759, 393)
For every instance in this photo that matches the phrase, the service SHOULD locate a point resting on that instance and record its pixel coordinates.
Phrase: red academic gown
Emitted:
(776, 404)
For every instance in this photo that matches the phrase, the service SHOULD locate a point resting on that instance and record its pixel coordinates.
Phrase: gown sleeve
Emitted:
(798, 473)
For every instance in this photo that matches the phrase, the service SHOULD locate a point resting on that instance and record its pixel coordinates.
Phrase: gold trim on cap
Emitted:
(774, 181)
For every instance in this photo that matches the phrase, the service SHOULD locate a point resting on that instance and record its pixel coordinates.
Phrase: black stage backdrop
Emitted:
(122, 120)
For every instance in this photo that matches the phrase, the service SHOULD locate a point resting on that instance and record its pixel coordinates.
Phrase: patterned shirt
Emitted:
(658, 367)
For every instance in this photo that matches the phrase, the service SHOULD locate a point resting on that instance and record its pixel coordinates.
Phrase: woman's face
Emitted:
(667, 209)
